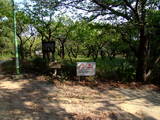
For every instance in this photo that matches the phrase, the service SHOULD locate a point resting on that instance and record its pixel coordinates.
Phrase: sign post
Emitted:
(15, 38)
(86, 69)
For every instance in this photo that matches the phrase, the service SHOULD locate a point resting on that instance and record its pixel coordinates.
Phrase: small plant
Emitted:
(39, 64)
(68, 70)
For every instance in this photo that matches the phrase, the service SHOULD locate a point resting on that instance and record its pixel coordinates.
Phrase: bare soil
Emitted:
(31, 97)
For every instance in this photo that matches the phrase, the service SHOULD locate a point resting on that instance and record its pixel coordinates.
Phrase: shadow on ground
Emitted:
(27, 98)
(124, 103)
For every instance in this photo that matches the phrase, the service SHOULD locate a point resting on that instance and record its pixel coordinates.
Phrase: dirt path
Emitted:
(31, 99)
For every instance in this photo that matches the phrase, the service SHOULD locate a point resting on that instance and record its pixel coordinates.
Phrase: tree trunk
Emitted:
(30, 50)
(89, 53)
(21, 51)
(142, 49)
(62, 50)
(142, 58)
(102, 53)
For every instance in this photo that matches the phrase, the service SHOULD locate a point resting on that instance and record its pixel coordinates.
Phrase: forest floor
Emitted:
(29, 97)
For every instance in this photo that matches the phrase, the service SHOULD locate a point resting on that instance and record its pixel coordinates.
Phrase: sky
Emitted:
(67, 12)
(18, 1)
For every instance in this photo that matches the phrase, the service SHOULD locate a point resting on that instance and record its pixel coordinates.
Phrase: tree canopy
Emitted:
(126, 29)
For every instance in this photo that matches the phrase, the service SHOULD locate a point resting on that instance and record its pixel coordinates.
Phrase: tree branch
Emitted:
(134, 10)
(116, 12)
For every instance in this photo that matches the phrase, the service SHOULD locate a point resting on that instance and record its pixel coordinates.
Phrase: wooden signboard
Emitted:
(55, 65)
(48, 46)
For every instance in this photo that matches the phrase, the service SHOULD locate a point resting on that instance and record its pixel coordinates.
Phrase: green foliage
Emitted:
(8, 67)
(5, 27)
(5, 9)
(6, 56)
(153, 34)
(38, 63)
(114, 47)
(68, 70)
(155, 77)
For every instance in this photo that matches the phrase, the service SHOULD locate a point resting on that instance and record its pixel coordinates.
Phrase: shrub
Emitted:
(39, 65)
(68, 70)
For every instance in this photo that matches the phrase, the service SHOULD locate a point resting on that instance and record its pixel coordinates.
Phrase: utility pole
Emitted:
(15, 38)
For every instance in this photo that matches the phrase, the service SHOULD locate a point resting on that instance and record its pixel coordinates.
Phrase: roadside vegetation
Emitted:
(124, 45)
(121, 36)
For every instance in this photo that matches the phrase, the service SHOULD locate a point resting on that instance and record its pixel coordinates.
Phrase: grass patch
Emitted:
(6, 56)
(105, 68)
(117, 69)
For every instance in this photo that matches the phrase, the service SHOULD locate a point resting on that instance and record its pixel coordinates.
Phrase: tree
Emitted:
(131, 11)
(5, 27)
(41, 13)
(64, 26)
(153, 34)
(25, 32)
